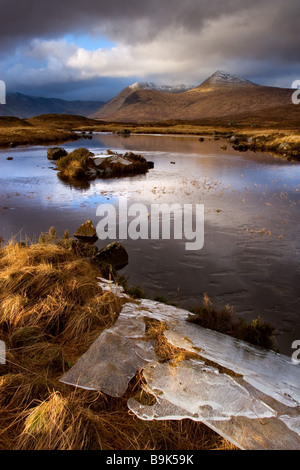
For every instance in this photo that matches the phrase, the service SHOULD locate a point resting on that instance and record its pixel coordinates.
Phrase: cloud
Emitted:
(170, 41)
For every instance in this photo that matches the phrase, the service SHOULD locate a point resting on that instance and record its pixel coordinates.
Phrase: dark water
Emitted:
(251, 252)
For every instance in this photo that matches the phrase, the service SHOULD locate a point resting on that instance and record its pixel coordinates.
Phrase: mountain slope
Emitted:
(162, 88)
(222, 94)
(23, 106)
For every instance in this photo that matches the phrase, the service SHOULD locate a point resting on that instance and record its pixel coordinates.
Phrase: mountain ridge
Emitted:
(25, 107)
(222, 94)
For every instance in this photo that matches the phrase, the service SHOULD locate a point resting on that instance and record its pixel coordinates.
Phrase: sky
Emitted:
(92, 49)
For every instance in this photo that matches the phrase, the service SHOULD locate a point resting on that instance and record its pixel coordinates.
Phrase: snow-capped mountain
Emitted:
(162, 88)
(224, 78)
(222, 95)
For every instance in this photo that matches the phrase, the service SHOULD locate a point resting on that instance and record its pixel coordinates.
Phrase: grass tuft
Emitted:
(257, 332)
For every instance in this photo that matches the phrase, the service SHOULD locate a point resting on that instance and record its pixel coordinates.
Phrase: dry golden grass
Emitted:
(56, 129)
(34, 136)
(51, 310)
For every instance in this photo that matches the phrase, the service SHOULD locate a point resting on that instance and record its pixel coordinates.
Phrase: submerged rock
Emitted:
(114, 254)
(86, 233)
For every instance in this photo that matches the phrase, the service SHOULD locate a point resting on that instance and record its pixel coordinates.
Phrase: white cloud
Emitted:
(156, 42)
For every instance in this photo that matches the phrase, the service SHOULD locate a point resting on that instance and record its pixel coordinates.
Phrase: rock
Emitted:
(91, 173)
(9, 158)
(114, 254)
(233, 139)
(121, 165)
(201, 139)
(240, 147)
(284, 146)
(86, 233)
(123, 132)
(55, 153)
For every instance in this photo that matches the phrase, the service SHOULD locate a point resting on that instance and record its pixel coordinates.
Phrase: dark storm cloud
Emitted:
(141, 20)
(164, 40)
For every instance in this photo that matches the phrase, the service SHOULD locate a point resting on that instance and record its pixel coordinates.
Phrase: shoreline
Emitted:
(59, 129)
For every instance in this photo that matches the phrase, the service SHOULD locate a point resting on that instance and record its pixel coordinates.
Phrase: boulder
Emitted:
(55, 153)
(123, 132)
(86, 233)
(121, 165)
(240, 147)
(284, 146)
(233, 139)
(114, 254)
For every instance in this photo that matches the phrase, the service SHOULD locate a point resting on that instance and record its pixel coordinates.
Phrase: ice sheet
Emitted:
(251, 396)
(199, 391)
(272, 373)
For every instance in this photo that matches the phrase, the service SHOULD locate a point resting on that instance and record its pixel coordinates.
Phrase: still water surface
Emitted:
(250, 259)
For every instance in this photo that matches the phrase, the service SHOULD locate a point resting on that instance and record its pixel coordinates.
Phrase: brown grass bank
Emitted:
(51, 310)
(267, 131)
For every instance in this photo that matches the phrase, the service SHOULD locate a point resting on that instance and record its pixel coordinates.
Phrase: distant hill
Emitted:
(60, 121)
(221, 95)
(23, 106)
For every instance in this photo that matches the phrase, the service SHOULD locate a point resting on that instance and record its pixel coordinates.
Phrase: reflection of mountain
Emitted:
(221, 95)
(23, 106)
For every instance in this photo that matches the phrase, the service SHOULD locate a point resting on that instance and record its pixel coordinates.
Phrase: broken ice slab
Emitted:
(110, 286)
(228, 405)
(251, 396)
(201, 392)
(119, 352)
(113, 359)
(271, 373)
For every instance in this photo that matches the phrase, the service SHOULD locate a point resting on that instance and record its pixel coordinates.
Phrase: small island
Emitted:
(81, 164)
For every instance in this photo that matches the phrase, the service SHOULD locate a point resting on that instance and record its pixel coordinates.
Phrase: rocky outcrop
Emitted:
(83, 165)
(55, 153)
(116, 165)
